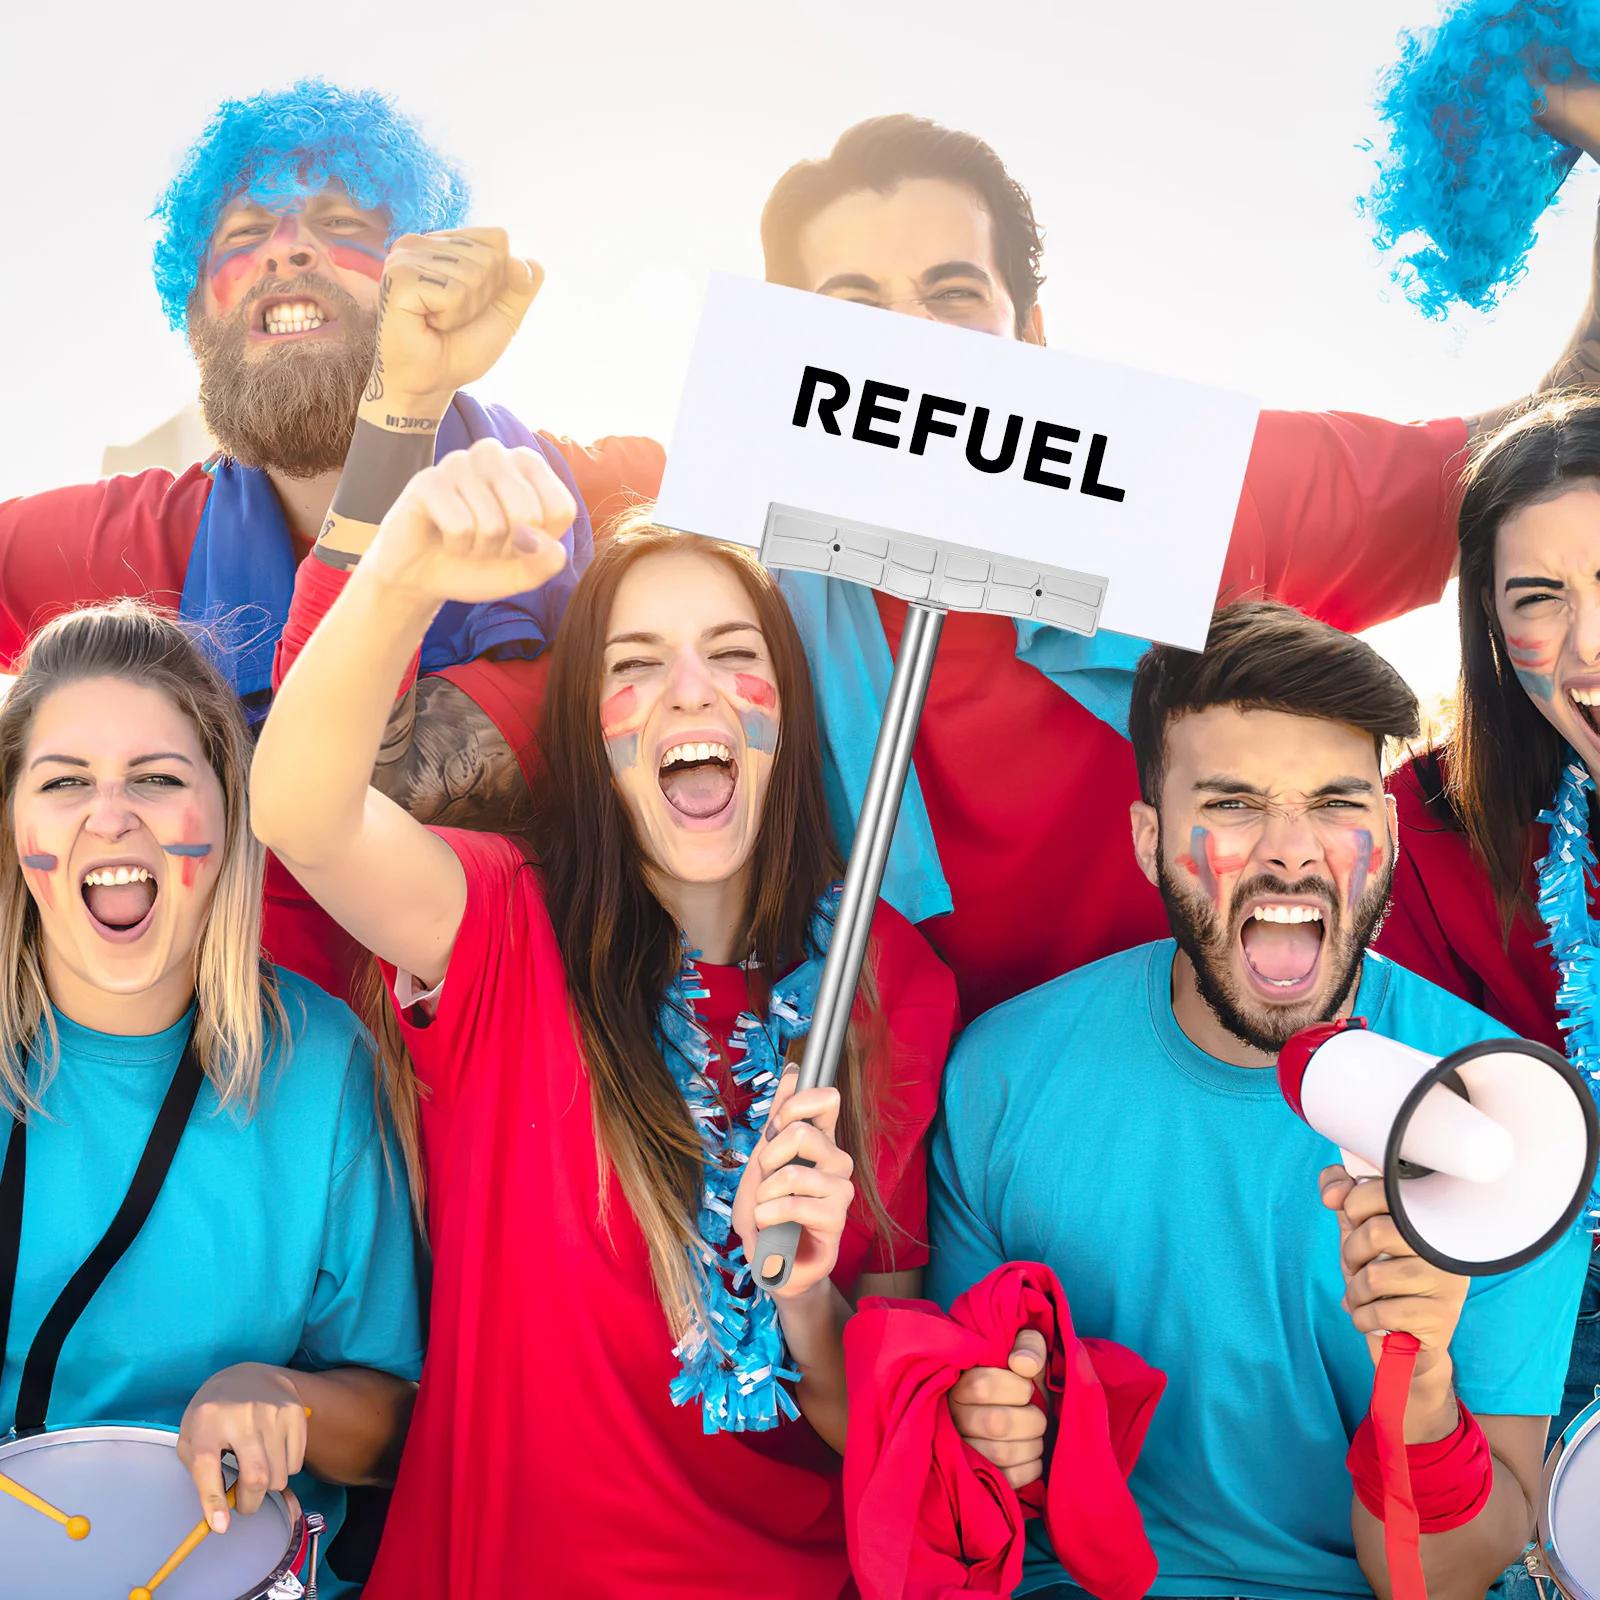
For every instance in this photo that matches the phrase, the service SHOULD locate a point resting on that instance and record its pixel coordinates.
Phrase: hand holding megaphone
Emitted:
(1388, 1286)
(1454, 1166)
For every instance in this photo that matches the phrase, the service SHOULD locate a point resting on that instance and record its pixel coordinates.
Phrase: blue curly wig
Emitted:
(284, 146)
(1467, 164)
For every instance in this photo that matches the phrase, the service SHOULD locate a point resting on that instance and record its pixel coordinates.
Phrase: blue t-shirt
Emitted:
(278, 1238)
(1175, 1197)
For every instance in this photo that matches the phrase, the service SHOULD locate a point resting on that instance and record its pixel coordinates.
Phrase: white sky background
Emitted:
(1195, 168)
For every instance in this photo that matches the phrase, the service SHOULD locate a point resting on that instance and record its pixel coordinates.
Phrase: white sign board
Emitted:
(1003, 448)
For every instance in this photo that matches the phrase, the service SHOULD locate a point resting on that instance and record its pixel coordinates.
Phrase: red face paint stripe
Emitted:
(756, 690)
(1221, 864)
(355, 257)
(616, 711)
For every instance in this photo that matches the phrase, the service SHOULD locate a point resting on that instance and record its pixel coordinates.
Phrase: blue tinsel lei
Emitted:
(1467, 165)
(288, 144)
(734, 1361)
(1565, 876)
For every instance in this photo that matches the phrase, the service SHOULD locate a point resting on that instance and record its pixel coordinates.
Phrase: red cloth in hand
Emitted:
(926, 1516)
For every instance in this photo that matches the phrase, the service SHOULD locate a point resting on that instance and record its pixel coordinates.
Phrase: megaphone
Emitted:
(1487, 1154)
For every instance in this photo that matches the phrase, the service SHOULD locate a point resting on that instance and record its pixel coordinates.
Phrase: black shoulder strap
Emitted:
(12, 1180)
(39, 1372)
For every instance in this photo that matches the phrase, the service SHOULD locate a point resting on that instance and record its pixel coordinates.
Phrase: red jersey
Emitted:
(545, 1455)
(1443, 923)
(1349, 518)
(134, 535)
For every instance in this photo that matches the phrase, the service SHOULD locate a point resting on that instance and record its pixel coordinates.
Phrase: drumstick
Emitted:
(77, 1527)
(192, 1542)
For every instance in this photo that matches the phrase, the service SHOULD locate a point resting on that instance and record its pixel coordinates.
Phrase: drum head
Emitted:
(141, 1503)
(1569, 1510)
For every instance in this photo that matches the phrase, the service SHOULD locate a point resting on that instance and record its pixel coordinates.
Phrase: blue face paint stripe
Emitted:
(187, 849)
(1538, 684)
(1198, 839)
(41, 863)
(760, 731)
(624, 751)
(1361, 867)
(361, 249)
(219, 262)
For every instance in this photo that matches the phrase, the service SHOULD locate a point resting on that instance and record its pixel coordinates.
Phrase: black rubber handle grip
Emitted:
(782, 1239)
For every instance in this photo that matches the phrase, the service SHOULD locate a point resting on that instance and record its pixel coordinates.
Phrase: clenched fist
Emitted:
(447, 308)
(484, 523)
(1387, 1285)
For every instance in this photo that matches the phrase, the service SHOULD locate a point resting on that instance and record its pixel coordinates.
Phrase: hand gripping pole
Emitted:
(880, 808)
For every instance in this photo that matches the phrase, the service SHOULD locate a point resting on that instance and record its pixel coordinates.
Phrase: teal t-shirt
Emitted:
(278, 1238)
(1175, 1197)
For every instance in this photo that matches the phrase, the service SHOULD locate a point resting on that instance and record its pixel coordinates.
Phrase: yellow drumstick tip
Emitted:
(77, 1527)
(140, 1594)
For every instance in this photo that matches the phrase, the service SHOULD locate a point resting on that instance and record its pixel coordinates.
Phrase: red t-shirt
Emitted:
(134, 535)
(1443, 923)
(545, 1455)
(1349, 518)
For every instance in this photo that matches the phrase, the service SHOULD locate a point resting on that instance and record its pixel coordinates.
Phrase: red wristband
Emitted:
(1419, 1488)
(1450, 1478)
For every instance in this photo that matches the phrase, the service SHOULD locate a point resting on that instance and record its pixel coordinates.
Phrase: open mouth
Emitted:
(120, 900)
(699, 780)
(1282, 943)
(288, 317)
(1585, 699)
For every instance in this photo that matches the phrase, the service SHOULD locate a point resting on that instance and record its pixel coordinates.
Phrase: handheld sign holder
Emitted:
(957, 473)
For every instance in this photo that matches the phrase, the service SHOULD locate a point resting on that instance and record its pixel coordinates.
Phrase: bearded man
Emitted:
(1123, 1125)
(313, 251)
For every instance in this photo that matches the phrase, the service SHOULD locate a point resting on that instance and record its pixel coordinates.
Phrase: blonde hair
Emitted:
(238, 1012)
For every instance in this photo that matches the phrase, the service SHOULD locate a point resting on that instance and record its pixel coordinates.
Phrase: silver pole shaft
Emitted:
(772, 1260)
(869, 855)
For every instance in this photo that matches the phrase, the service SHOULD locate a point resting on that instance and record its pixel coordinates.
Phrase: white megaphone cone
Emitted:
(1487, 1154)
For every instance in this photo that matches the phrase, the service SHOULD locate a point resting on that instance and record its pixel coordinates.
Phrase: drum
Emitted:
(141, 1503)
(1568, 1551)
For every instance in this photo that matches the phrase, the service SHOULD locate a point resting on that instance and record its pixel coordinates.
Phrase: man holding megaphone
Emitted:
(1124, 1126)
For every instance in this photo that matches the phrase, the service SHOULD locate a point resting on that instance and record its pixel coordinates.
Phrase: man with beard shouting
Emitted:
(273, 259)
(1123, 1125)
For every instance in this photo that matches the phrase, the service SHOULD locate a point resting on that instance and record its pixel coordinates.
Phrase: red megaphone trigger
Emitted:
(1295, 1056)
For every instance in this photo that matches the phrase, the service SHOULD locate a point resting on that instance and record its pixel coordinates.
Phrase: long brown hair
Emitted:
(622, 948)
(238, 1012)
(1505, 758)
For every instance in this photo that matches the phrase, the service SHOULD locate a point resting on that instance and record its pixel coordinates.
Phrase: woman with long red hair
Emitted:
(600, 1017)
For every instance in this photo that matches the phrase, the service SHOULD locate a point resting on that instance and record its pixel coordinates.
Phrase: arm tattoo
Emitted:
(375, 382)
(447, 764)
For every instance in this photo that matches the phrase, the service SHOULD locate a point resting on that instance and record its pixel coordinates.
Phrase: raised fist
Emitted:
(484, 523)
(447, 308)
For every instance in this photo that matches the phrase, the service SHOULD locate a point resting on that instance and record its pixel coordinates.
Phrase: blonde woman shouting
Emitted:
(273, 1274)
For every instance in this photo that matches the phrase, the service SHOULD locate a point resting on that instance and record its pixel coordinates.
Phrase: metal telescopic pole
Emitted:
(880, 807)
